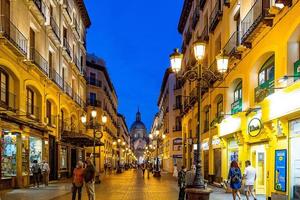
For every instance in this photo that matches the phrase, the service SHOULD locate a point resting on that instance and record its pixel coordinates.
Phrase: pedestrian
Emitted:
(143, 168)
(45, 172)
(89, 179)
(77, 180)
(190, 176)
(250, 178)
(235, 178)
(36, 171)
(175, 172)
(181, 183)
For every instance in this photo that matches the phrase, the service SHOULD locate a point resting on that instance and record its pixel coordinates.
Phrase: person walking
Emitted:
(45, 172)
(89, 179)
(235, 178)
(250, 178)
(143, 169)
(36, 171)
(175, 172)
(181, 183)
(190, 176)
(77, 180)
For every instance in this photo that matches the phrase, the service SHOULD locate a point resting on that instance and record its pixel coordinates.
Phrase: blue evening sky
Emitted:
(135, 38)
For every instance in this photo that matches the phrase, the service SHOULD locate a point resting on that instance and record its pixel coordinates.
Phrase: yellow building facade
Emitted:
(42, 61)
(252, 113)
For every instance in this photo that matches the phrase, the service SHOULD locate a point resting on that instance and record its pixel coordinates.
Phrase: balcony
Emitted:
(202, 4)
(94, 82)
(236, 106)
(264, 90)
(8, 101)
(67, 48)
(39, 61)
(68, 90)
(78, 100)
(67, 11)
(57, 79)
(231, 46)
(33, 111)
(196, 17)
(54, 31)
(205, 34)
(255, 21)
(216, 15)
(94, 102)
(187, 37)
(16, 41)
(75, 27)
(77, 63)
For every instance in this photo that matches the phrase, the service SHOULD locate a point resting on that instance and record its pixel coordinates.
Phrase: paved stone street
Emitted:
(129, 185)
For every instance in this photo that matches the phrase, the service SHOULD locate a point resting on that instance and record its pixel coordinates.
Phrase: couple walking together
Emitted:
(84, 175)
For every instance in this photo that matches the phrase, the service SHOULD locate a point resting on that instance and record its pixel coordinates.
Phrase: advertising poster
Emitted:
(280, 170)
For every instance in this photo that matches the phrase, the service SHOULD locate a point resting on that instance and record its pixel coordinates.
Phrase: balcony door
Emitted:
(48, 112)
(4, 88)
(5, 13)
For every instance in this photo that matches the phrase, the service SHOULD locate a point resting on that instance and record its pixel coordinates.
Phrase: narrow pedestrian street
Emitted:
(129, 185)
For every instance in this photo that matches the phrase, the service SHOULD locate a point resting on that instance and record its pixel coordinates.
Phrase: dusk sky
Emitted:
(135, 39)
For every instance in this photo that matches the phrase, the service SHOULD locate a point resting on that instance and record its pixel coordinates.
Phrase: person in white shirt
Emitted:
(250, 178)
(45, 171)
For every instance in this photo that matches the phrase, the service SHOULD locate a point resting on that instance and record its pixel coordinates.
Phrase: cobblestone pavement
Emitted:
(129, 185)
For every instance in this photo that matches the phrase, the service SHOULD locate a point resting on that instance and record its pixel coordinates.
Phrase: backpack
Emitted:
(235, 178)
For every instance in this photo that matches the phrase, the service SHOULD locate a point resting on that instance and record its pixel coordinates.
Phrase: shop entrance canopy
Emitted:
(79, 139)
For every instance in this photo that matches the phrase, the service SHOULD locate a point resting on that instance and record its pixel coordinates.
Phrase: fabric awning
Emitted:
(79, 139)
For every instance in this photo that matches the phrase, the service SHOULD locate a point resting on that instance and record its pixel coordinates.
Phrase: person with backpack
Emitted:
(89, 179)
(181, 183)
(235, 178)
(36, 172)
(77, 180)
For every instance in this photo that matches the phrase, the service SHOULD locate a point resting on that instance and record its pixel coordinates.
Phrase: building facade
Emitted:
(170, 105)
(102, 97)
(124, 151)
(253, 112)
(42, 60)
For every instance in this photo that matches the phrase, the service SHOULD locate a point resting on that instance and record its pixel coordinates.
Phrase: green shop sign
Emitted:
(236, 106)
(297, 70)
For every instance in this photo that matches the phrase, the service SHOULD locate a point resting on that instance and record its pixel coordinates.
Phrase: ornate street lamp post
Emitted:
(195, 74)
(96, 134)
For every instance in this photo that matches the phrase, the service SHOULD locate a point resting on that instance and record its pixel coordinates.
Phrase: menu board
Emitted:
(280, 170)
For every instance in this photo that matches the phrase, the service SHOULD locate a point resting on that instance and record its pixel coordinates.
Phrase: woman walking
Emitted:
(235, 178)
(77, 180)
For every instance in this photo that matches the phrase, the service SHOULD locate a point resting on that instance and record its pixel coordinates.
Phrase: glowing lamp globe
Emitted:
(199, 49)
(176, 60)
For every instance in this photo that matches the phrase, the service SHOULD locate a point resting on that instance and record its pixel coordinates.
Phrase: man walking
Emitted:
(250, 178)
(89, 179)
(46, 172)
(190, 176)
(181, 183)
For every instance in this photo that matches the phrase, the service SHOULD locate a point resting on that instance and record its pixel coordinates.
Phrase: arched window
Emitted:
(4, 88)
(219, 105)
(30, 101)
(236, 106)
(266, 73)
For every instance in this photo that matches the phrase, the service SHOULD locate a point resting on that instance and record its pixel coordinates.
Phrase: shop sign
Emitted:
(280, 170)
(254, 127)
(177, 141)
(297, 70)
(230, 125)
(216, 142)
(205, 146)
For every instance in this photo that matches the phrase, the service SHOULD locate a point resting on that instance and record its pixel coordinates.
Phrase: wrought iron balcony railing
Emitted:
(42, 7)
(13, 34)
(215, 15)
(39, 61)
(57, 79)
(94, 102)
(67, 47)
(68, 89)
(232, 44)
(93, 81)
(205, 35)
(55, 27)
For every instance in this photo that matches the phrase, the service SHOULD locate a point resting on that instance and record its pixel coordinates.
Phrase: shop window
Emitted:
(63, 158)
(30, 101)
(35, 152)
(3, 88)
(236, 106)
(25, 155)
(8, 154)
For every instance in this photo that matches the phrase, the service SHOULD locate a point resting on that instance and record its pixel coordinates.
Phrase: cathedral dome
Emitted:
(138, 128)
(137, 125)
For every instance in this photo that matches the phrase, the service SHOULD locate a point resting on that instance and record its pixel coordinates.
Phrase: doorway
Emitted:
(258, 160)
(52, 158)
(73, 159)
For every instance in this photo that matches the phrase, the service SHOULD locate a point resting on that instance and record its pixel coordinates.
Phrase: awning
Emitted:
(79, 139)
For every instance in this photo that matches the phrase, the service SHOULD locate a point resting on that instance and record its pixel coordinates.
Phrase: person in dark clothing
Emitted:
(235, 178)
(181, 183)
(89, 179)
(36, 171)
(143, 169)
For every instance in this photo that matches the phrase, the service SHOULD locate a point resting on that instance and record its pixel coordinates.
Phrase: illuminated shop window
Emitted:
(35, 151)
(8, 154)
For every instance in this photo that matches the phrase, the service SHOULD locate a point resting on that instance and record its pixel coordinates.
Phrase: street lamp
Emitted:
(158, 138)
(96, 135)
(176, 64)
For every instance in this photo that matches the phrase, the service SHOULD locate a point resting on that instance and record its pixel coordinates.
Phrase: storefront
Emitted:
(217, 157)
(205, 154)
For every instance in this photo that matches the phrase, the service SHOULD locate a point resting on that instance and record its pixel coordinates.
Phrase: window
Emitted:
(48, 112)
(93, 78)
(178, 101)
(219, 107)
(30, 101)
(4, 87)
(238, 92)
(266, 73)
(93, 98)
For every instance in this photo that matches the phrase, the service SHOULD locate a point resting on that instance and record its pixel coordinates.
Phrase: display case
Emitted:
(8, 154)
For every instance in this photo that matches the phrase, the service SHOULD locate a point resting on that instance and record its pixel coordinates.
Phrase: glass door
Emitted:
(258, 160)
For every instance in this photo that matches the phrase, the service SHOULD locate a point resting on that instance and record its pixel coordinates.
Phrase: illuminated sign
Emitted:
(216, 142)
(205, 146)
(230, 125)
(254, 127)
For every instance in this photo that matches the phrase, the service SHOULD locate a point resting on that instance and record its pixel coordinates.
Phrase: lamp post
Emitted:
(158, 138)
(96, 134)
(195, 74)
